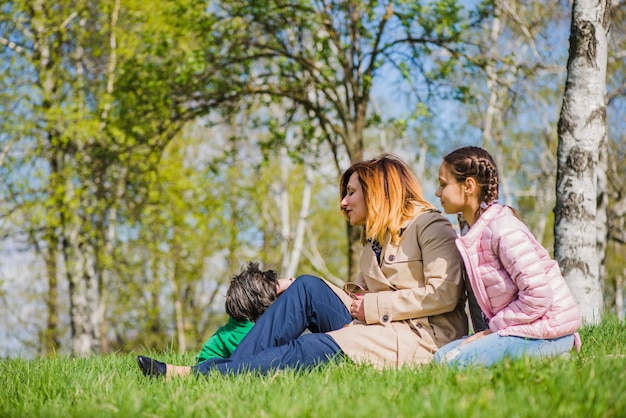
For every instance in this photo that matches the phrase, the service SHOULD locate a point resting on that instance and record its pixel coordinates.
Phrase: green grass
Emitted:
(591, 383)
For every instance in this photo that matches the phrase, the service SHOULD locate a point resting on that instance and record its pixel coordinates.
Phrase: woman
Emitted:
(409, 299)
(519, 288)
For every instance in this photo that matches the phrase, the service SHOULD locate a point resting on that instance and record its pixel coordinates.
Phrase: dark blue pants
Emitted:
(275, 340)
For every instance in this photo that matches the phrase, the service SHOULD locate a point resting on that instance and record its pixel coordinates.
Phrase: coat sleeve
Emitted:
(442, 286)
(523, 259)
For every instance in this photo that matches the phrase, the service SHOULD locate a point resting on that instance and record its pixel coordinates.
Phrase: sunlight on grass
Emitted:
(588, 384)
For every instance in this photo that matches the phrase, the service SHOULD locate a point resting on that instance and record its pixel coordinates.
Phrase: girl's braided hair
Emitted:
(477, 163)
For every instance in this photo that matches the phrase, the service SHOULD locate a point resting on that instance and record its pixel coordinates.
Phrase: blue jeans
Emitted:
(492, 348)
(276, 341)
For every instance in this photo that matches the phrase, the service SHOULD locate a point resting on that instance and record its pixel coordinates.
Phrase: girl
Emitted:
(519, 288)
(407, 301)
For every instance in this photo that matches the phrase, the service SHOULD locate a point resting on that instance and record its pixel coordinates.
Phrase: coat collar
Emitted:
(476, 230)
(369, 264)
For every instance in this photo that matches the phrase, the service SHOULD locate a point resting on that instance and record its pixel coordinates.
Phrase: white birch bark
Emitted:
(296, 251)
(110, 228)
(283, 205)
(602, 214)
(582, 131)
(81, 274)
(179, 312)
(292, 243)
(314, 256)
(493, 117)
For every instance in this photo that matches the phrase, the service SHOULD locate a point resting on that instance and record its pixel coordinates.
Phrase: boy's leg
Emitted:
(304, 352)
(307, 303)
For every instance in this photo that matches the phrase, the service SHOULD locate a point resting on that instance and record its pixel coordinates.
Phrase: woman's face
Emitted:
(451, 193)
(353, 203)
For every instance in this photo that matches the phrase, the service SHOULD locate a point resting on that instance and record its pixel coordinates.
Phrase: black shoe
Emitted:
(151, 367)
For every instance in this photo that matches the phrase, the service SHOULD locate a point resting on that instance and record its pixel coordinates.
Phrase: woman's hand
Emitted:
(356, 309)
(476, 336)
(283, 284)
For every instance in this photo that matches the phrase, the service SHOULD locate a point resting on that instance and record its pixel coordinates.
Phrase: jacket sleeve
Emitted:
(523, 259)
(442, 273)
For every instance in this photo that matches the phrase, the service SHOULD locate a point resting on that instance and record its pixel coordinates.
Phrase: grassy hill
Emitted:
(591, 383)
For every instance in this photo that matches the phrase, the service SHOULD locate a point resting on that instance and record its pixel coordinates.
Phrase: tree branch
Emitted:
(12, 45)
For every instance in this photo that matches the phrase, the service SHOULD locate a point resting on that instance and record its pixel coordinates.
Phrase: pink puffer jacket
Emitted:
(518, 286)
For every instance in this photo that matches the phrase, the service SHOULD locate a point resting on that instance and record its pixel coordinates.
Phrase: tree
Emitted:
(516, 72)
(323, 58)
(615, 278)
(582, 133)
(104, 86)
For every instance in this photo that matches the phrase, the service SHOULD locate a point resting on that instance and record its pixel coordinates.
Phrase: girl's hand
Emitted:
(356, 309)
(283, 284)
(476, 336)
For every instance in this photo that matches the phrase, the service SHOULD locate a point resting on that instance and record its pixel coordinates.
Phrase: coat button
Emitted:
(392, 257)
(385, 318)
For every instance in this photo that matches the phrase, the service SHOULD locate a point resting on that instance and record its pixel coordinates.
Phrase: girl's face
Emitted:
(353, 203)
(451, 193)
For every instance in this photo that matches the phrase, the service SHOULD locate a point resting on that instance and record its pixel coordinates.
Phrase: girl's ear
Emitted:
(470, 185)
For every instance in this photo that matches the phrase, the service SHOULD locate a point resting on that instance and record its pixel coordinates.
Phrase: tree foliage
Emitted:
(104, 86)
(322, 59)
(148, 149)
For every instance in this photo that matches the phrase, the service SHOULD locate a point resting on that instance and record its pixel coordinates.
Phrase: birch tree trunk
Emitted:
(69, 205)
(582, 131)
(179, 313)
(293, 256)
(83, 297)
(619, 295)
(105, 262)
(513, 60)
(494, 113)
(282, 200)
(51, 339)
(602, 213)
(326, 58)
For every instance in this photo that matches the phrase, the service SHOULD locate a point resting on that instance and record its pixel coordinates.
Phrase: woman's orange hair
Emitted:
(392, 193)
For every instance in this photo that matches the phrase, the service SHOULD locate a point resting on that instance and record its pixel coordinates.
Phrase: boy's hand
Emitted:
(283, 284)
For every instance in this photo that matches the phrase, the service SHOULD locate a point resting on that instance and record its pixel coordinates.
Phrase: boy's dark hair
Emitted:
(251, 292)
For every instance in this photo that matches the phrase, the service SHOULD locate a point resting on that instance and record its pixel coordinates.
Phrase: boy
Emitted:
(250, 293)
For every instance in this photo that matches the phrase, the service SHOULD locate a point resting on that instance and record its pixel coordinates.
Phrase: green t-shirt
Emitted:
(225, 340)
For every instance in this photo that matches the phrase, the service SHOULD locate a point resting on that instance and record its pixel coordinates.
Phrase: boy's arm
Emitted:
(225, 340)
(283, 284)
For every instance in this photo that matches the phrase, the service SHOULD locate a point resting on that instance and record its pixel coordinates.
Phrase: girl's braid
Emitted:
(488, 180)
(488, 173)
(477, 163)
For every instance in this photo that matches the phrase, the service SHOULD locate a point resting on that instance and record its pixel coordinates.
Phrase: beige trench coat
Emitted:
(416, 299)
